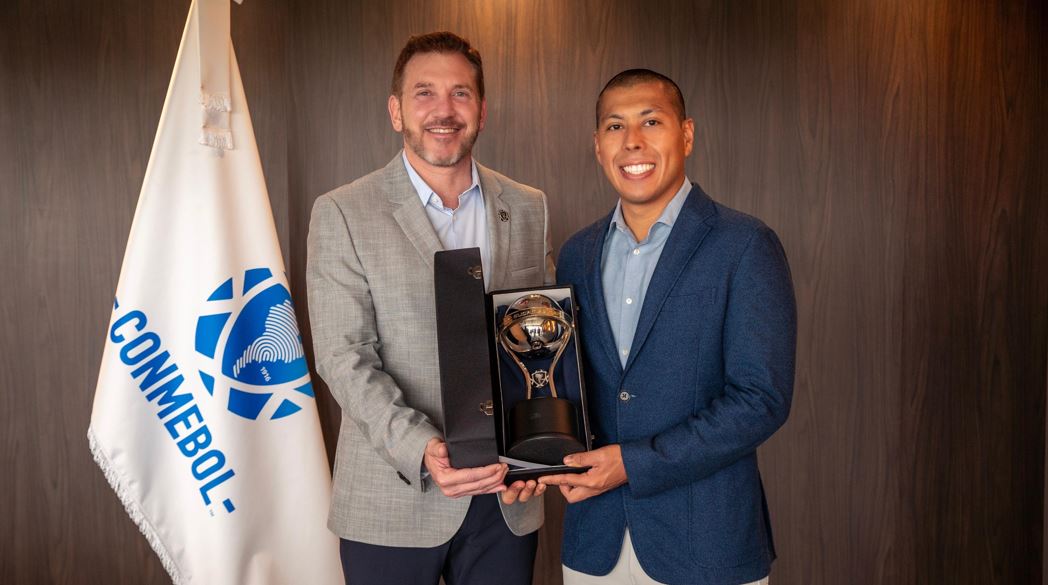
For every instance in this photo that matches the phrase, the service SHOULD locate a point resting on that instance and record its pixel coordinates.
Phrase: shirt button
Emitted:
(629, 301)
(636, 251)
(624, 396)
(625, 352)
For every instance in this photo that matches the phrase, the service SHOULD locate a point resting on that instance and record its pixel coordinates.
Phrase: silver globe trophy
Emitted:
(543, 428)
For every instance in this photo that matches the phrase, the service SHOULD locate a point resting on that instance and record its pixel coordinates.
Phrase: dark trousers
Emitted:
(482, 552)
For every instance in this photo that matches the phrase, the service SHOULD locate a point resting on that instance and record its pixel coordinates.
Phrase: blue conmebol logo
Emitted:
(252, 348)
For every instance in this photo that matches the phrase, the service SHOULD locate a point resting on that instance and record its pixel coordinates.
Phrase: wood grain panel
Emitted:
(82, 89)
(83, 92)
(974, 295)
(841, 517)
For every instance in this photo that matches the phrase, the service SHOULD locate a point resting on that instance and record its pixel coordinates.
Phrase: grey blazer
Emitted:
(370, 283)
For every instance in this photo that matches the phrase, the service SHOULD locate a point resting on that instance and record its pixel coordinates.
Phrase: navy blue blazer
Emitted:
(709, 378)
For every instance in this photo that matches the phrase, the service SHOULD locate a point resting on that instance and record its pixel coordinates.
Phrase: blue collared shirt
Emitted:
(464, 227)
(627, 266)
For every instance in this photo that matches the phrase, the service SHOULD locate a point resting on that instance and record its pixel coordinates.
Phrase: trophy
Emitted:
(542, 428)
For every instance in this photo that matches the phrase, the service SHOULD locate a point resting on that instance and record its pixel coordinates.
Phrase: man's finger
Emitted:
(529, 490)
(512, 493)
(475, 489)
(453, 476)
(578, 459)
(437, 448)
(478, 480)
(572, 479)
(552, 479)
(521, 491)
(508, 497)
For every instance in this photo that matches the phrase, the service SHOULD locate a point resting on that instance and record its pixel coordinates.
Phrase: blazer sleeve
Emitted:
(345, 343)
(759, 344)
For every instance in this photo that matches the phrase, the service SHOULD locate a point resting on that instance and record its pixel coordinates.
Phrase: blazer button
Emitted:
(624, 396)
(403, 479)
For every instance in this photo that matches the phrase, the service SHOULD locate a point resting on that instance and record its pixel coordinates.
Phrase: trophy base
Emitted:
(543, 431)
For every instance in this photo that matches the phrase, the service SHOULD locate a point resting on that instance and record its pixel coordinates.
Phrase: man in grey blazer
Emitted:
(405, 516)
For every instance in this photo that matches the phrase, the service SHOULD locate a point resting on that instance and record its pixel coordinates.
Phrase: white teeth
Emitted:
(638, 169)
(442, 130)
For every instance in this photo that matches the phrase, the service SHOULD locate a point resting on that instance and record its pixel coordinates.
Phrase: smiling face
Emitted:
(641, 143)
(439, 111)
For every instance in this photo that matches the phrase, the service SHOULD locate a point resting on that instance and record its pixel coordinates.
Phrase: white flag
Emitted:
(204, 418)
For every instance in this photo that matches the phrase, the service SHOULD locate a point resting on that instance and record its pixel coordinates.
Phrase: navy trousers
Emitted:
(482, 552)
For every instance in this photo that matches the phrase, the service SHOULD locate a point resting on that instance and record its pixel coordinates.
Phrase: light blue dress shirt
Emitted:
(464, 227)
(627, 266)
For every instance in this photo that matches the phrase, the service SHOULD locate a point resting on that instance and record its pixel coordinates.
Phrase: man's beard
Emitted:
(414, 142)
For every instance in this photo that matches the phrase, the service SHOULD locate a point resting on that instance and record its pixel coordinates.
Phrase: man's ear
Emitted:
(483, 114)
(596, 146)
(395, 116)
(689, 135)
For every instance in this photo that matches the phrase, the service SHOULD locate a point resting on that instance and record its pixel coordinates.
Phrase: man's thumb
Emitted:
(577, 459)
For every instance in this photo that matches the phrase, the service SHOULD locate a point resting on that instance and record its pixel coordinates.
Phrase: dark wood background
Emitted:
(898, 148)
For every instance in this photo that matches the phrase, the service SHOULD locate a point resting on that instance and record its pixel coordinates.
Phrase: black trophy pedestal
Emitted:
(543, 431)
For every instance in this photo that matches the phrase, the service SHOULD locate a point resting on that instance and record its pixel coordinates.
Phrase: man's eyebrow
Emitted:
(429, 85)
(646, 112)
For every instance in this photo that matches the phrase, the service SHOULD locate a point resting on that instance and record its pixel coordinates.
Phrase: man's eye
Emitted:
(613, 127)
(651, 122)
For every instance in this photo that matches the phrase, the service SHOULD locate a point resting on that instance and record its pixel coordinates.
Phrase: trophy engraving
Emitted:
(542, 429)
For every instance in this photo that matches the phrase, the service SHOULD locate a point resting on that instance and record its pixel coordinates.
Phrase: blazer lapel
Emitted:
(409, 212)
(689, 230)
(596, 316)
(496, 207)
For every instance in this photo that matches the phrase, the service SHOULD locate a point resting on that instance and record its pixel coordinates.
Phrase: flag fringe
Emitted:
(133, 510)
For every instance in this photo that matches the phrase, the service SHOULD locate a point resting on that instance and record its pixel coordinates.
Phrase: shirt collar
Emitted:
(668, 216)
(425, 193)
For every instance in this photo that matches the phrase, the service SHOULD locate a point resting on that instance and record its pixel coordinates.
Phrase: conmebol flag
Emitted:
(204, 418)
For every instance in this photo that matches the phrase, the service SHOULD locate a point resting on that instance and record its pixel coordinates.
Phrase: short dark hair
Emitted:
(437, 42)
(631, 77)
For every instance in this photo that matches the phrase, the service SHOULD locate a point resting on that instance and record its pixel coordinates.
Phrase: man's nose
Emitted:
(633, 139)
(444, 106)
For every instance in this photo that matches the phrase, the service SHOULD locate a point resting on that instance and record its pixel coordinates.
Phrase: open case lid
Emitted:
(464, 353)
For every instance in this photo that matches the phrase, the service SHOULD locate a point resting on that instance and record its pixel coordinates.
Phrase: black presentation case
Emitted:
(479, 382)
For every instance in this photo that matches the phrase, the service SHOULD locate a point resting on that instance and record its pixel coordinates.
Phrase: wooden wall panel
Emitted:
(974, 297)
(897, 148)
(81, 92)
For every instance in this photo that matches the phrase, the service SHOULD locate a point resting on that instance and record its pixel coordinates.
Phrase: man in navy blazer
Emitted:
(688, 326)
